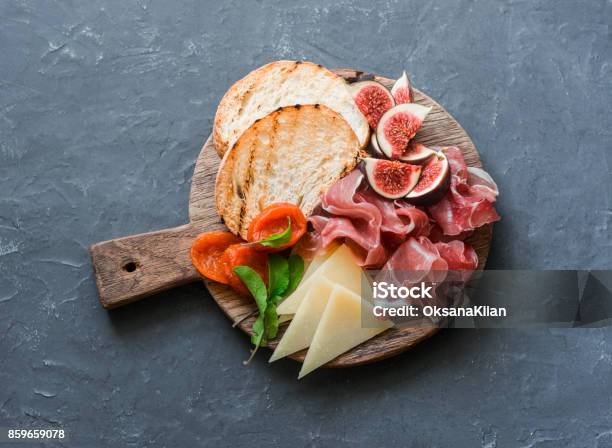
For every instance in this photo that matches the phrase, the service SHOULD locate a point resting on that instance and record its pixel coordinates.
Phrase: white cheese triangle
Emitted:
(284, 318)
(312, 268)
(340, 268)
(341, 328)
(305, 322)
(317, 261)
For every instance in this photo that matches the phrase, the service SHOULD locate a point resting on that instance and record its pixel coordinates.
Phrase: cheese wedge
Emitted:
(339, 268)
(284, 318)
(312, 267)
(341, 328)
(316, 262)
(305, 322)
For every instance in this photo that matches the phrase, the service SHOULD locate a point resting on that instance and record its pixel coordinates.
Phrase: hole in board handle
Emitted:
(130, 267)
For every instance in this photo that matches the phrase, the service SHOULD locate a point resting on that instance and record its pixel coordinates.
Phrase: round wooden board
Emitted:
(439, 129)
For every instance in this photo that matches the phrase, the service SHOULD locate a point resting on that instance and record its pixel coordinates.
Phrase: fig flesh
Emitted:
(433, 183)
(397, 127)
(390, 178)
(402, 90)
(373, 100)
(416, 153)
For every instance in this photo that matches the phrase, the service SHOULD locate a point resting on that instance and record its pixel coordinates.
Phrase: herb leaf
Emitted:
(258, 330)
(284, 276)
(296, 272)
(257, 339)
(253, 281)
(278, 239)
(278, 275)
(271, 319)
(255, 285)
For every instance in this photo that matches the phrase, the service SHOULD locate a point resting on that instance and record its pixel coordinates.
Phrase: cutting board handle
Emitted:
(134, 267)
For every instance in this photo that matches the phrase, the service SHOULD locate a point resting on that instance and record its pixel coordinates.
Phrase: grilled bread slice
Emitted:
(279, 84)
(292, 155)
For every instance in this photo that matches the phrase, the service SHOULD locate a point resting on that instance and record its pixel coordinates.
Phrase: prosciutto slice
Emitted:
(416, 260)
(469, 201)
(371, 225)
(460, 257)
(482, 182)
(400, 236)
(445, 266)
(436, 235)
(360, 235)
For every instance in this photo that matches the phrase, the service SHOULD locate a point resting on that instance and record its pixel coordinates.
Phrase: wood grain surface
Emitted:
(134, 267)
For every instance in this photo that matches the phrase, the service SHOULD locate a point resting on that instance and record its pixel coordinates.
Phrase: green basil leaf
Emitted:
(257, 338)
(275, 300)
(258, 331)
(278, 275)
(253, 281)
(296, 272)
(278, 239)
(271, 319)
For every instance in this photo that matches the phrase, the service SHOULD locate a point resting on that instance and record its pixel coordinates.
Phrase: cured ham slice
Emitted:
(341, 200)
(469, 201)
(460, 257)
(360, 235)
(383, 232)
(481, 181)
(416, 260)
(445, 266)
(398, 219)
(436, 235)
(421, 260)
(371, 225)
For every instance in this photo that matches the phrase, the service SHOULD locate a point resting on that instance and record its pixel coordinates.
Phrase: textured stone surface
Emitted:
(103, 108)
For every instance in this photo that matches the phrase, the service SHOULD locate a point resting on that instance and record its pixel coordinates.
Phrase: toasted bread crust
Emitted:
(278, 84)
(292, 155)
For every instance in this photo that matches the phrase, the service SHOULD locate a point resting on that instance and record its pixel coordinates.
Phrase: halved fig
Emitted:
(397, 127)
(374, 148)
(402, 90)
(416, 153)
(434, 181)
(373, 100)
(390, 178)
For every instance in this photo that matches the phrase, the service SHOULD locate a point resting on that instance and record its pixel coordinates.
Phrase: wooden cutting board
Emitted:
(134, 267)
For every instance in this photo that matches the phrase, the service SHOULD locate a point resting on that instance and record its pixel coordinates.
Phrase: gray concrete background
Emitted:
(103, 108)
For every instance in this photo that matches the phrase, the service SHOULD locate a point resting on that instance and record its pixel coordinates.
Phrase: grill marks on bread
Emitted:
(246, 185)
(281, 84)
(291, 155)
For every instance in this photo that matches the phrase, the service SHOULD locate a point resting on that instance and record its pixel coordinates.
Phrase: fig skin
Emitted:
(373, 100)
(416, 153)
(439, 186)
(402, 90)
(391, 179)
(398, 126)
(375, 148)
(432, 197)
